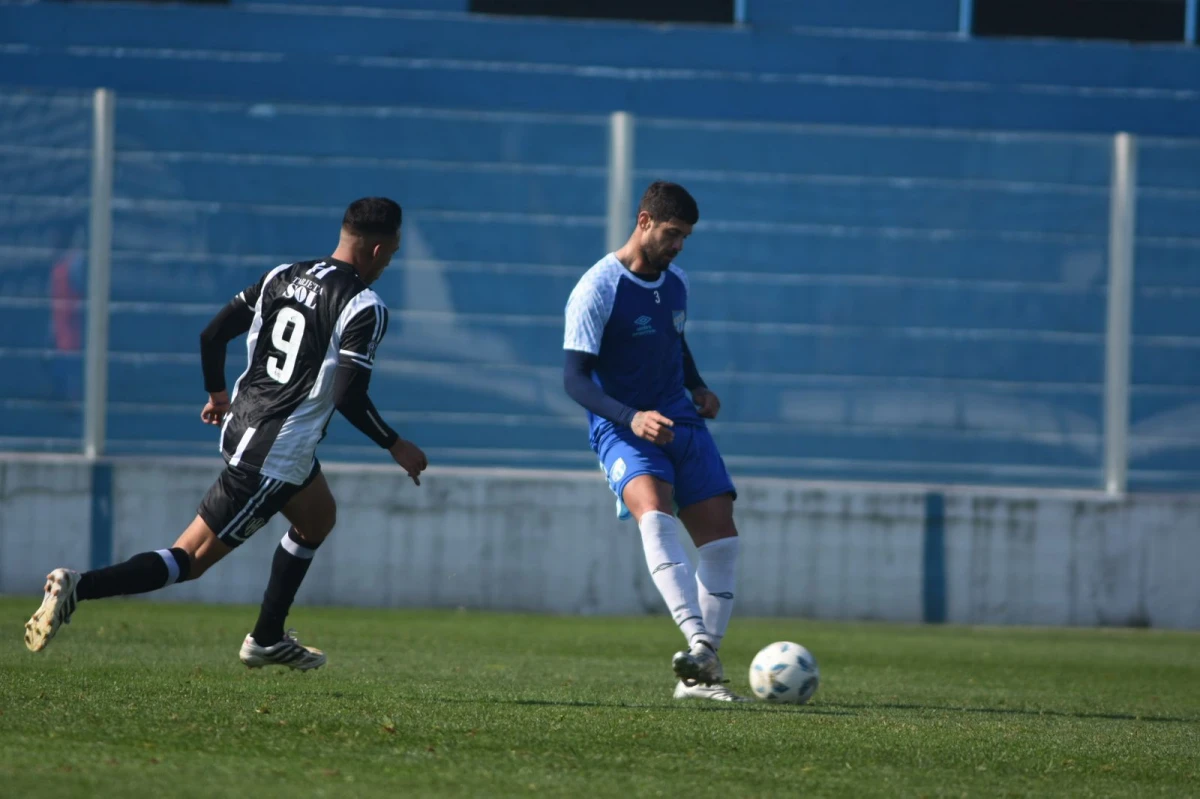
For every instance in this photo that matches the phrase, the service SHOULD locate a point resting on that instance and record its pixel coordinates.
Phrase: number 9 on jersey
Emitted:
(285, 337)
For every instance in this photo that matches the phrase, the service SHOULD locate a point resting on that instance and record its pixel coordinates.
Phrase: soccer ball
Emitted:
(784, 672)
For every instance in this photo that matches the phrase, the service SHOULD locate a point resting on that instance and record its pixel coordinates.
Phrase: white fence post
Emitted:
(1121, 231)
(620, 179)
(99, 275)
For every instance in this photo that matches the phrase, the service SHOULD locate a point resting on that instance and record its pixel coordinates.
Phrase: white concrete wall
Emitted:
(549, 541)
(45, 513)
(1070, 560)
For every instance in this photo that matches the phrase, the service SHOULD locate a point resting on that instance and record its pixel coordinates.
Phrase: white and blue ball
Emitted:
(784, 672)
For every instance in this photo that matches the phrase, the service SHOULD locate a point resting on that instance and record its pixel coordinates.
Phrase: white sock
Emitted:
(716, 576)
(672, 573)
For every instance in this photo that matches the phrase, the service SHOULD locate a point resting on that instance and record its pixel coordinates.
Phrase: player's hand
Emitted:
(410, 458)
(653, 426)
(707, 404)
(216, 408)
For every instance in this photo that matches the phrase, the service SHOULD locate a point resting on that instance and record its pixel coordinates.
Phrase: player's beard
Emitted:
(658, 260)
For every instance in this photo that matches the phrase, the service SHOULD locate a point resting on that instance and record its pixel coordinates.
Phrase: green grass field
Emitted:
(139, 699)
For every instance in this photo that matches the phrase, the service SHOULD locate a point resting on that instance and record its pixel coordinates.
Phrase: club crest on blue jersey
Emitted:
(679, 317)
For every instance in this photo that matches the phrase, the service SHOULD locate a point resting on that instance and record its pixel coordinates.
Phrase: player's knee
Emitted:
(723, 527)
(711, 534)
(318, 526)
(312, 536)
(638, 509)
(710, 520)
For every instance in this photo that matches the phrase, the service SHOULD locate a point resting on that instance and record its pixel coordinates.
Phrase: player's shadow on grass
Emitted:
(709, 707)
(1017, 712)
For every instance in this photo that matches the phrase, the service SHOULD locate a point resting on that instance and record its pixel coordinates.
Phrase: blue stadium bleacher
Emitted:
(889, 283)
(405, 57)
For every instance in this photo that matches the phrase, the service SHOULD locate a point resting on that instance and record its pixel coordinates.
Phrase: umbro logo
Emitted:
(642, 326)
(662, 566)
(642, 321)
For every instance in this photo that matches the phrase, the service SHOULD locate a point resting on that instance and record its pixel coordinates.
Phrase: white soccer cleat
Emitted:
(288, 652)
(700, 663)
(57, 606)
(689, 689)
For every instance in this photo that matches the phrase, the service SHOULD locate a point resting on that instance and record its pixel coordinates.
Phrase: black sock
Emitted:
(291, 562)
(144, 572)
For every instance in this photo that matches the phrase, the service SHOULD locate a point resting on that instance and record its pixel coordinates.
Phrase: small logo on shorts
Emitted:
(253, 526)
(618, 470)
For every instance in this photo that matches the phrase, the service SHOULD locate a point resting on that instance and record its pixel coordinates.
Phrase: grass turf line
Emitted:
(135, 698)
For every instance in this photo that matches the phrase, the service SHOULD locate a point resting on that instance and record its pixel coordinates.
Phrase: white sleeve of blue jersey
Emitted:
(588, 309)
(683, 278)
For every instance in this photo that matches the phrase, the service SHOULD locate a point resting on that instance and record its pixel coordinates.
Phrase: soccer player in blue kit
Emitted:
(628, 364)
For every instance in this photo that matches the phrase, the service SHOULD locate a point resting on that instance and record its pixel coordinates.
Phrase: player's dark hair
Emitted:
(372, 216)
(664, 201)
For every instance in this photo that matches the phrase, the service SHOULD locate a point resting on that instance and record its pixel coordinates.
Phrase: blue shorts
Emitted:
(690, 463)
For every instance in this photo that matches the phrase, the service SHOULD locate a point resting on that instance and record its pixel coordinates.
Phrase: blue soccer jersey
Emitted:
(635, 328)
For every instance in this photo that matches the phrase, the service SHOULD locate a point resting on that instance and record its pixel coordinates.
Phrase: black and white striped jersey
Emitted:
(309, 317)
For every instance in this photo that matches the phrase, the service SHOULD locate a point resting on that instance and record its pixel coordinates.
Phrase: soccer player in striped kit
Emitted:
(313, 329)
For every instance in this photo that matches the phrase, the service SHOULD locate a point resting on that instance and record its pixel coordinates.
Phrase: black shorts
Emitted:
(241, 501)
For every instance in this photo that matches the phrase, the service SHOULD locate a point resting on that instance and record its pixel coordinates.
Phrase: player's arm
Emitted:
(588, 309)
(587, 314)
(350, 384)
(230, 322)
(691, 375)
(707, 403)
(577, 380)
(351, 380)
